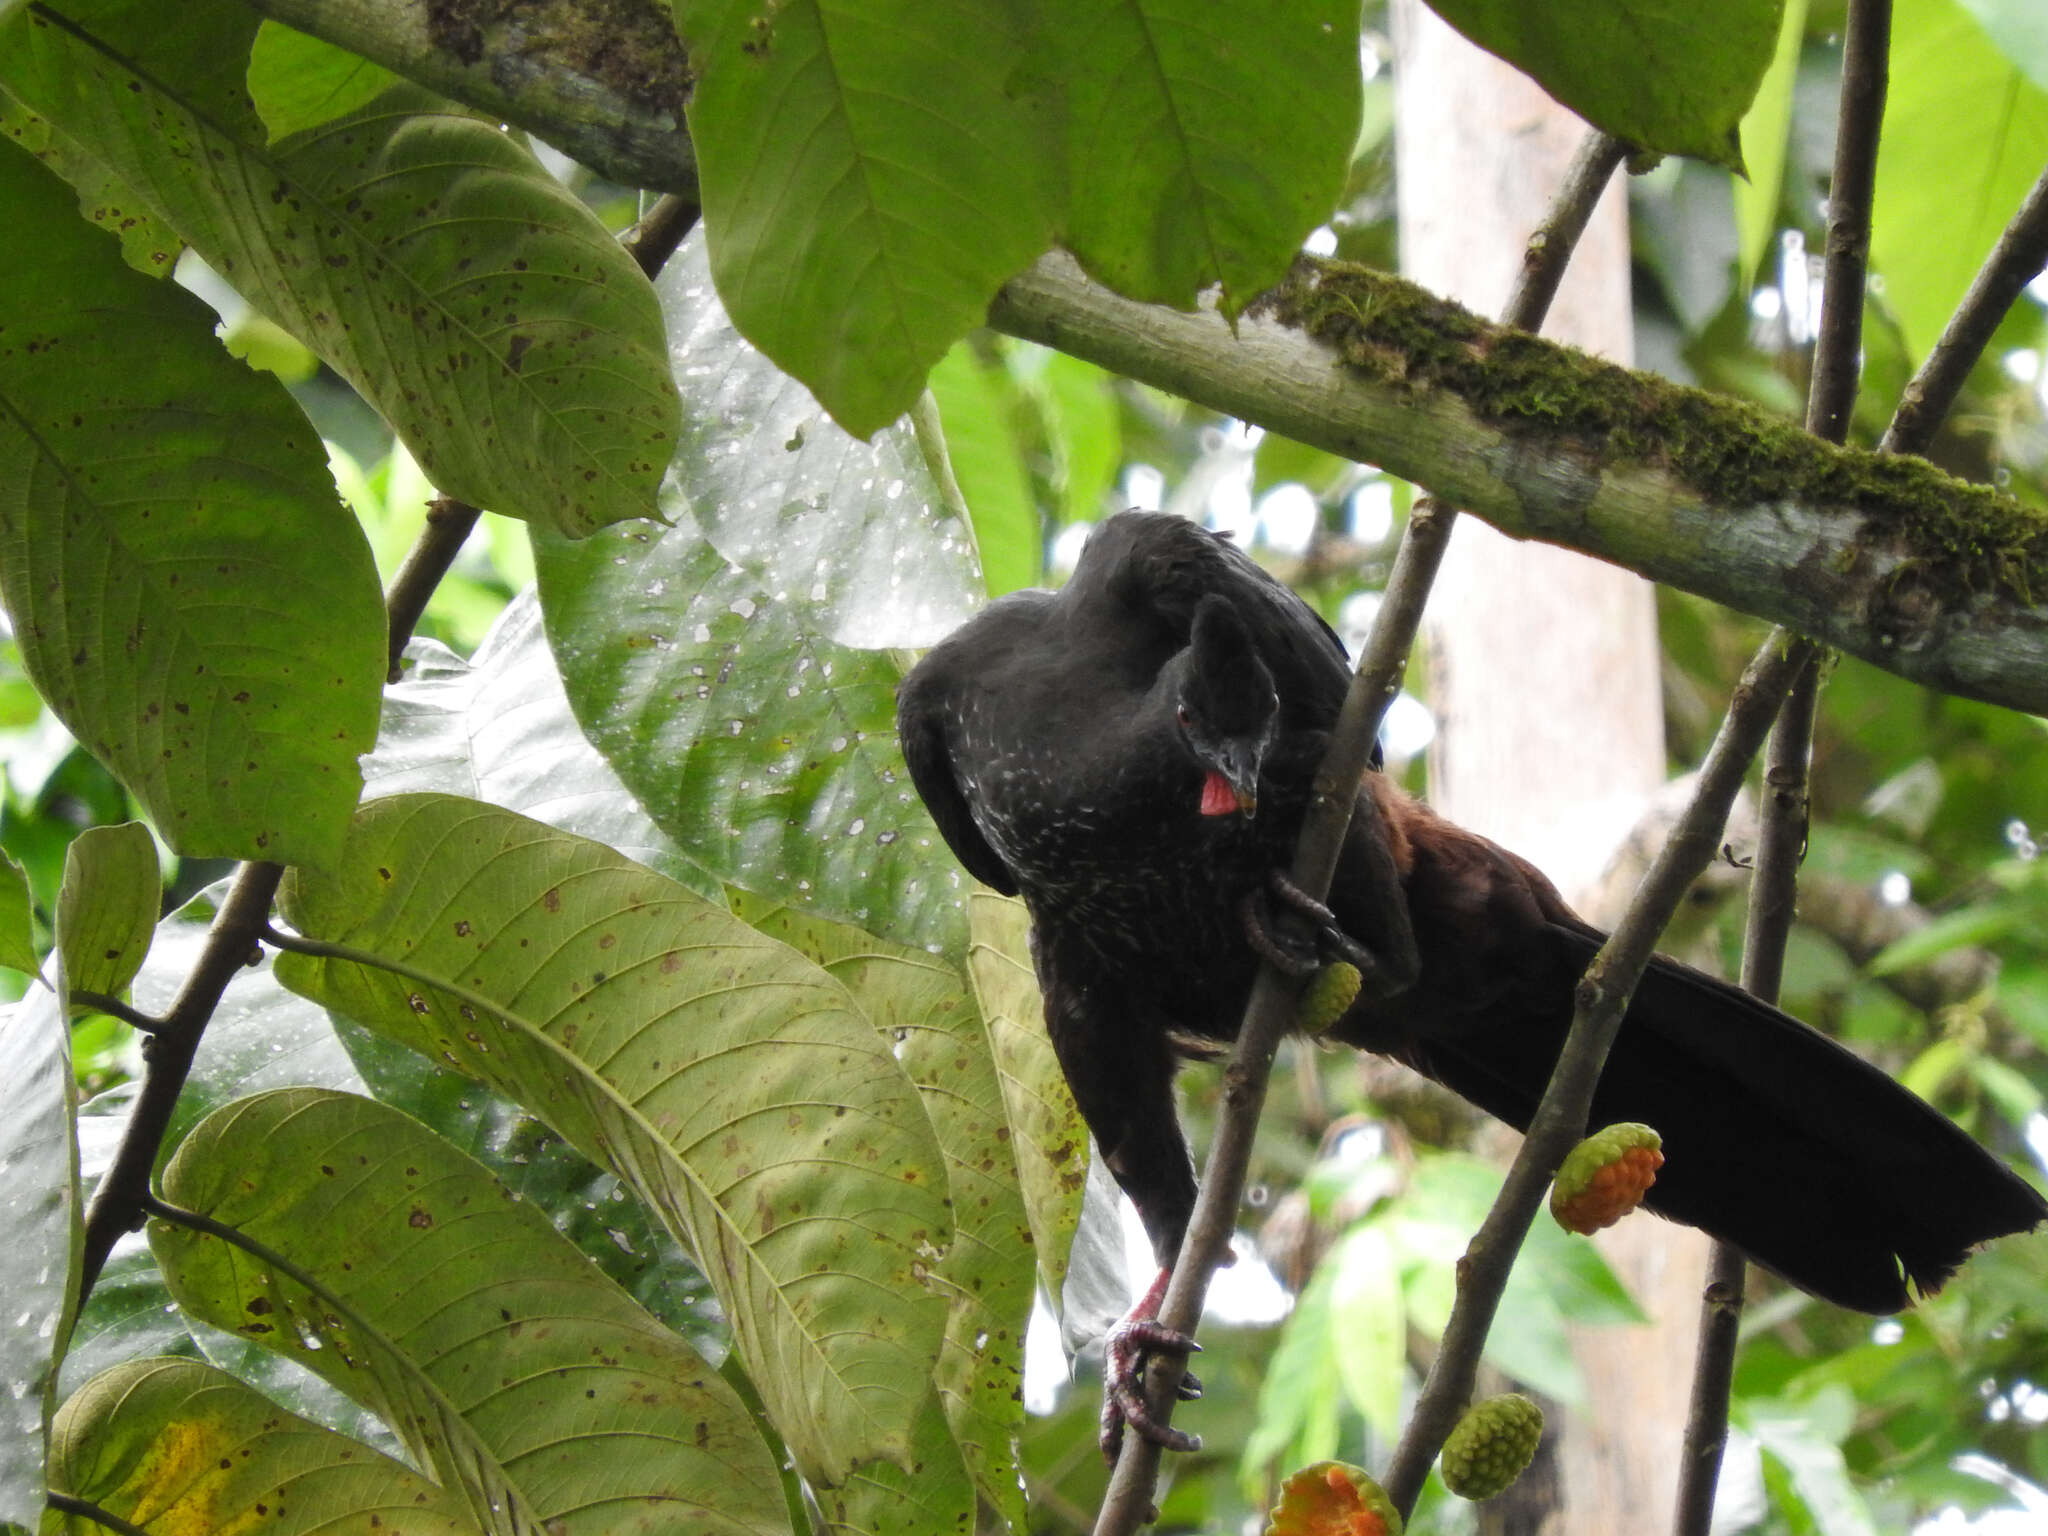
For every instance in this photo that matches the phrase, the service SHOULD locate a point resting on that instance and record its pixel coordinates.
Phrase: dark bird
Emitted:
(1133, 754)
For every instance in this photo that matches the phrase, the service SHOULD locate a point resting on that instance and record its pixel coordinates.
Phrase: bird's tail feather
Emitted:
(1777, 1139)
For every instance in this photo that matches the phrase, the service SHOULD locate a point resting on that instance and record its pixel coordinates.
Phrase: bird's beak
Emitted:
(1239, 765)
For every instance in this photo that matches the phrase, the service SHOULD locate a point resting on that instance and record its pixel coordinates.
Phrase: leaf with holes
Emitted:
(870, 179)
(107, 906)
(734, 1085)
(167, 525)
(184, 1447)
(407, 1275)
(1201, 150)
(425, 255)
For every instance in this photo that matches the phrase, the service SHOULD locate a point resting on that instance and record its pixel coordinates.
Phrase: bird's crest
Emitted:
(1228, 684)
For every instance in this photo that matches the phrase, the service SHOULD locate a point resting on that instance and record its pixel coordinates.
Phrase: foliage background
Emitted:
(1927, 905)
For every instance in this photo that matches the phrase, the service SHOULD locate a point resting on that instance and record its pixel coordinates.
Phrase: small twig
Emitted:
(1838, 351)
(448, 528)
(655, 237)
(1335, 799)
(114, 1008)
(2014, 262)
(117, 1205)
(1781, 846)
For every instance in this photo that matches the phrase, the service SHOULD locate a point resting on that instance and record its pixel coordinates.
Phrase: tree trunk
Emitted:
(1543, 671)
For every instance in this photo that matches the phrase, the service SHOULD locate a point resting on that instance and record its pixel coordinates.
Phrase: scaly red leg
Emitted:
(1136, 1335)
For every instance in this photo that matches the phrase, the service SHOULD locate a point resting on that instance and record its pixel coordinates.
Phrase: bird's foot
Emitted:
(1137, 1335)
(1291, 956)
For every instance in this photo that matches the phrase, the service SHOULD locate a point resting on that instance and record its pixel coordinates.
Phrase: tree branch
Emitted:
(1831, 396)
(1913, 571)
(1335, 799)
(2017, 259)
(603, 81)
(1889, 559)
(1602, 999)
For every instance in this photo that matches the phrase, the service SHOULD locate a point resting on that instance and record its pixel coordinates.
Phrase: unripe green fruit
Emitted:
(1491, 1445)
(1327, 997)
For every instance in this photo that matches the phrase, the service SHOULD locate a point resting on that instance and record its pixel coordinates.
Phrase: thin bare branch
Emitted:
(114, 1008)
(1838, 351)
(448, 527)
(2017, 259)
(1602, 999)
(1831, 397)
(655, 237)
(1128, 1502)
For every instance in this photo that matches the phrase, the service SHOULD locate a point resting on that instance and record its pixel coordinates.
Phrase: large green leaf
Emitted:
(870, 179)
(423, 253)
(298, 82)
(39, 1206)
(17, 920)
(419, 1285)
(260, 1035)
(1668, 75)
(975, 405)
(882, 1499)
(167, 524)
(854, 532)
(498, 728)
(1202, 147)
(728, 1080)
(1764, 131)
(107, 906)
(767, 751)
(1050, 1142)
(175, 1446)
(921, 1006)
(1965, 136)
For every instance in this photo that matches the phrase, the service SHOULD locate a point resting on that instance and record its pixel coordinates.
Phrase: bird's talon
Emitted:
(1288, 960)
(1330, 935)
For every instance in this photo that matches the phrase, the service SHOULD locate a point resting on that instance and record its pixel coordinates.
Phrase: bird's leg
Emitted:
(1295, 959)
(1136, 1335)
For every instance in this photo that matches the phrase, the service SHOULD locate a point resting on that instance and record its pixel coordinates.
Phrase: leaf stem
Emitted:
(114, 1008)
(85, 1509)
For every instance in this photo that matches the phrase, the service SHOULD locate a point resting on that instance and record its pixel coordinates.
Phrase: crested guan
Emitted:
(1133, 753)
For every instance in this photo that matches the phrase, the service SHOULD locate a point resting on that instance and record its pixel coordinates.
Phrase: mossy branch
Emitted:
(1886, 557)
(604, 81)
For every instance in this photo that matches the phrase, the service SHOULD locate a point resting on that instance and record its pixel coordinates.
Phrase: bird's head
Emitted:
(1226, 706)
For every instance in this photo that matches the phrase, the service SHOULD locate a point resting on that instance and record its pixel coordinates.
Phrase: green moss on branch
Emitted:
(1959, 539)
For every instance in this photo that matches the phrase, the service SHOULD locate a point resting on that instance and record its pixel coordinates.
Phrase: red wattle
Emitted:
(1217, 797)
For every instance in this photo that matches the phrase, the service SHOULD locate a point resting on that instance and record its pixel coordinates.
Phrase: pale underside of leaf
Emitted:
(666, 1039)
(423, 1288)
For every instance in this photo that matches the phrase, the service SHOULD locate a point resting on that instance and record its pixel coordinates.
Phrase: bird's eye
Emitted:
(1181, 713)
